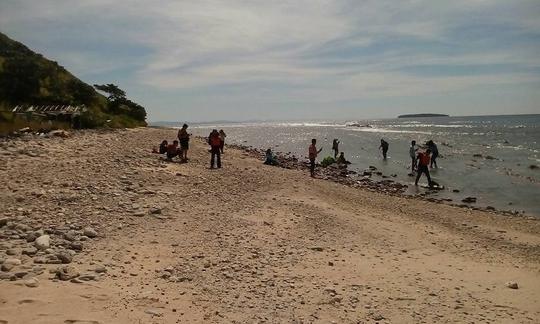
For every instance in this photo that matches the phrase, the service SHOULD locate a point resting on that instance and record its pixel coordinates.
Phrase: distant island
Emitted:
(422, 115)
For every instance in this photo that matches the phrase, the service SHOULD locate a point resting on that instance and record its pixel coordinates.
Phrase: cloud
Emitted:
(317, 49)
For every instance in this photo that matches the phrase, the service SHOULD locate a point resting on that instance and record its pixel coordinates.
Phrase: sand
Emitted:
(249, 243)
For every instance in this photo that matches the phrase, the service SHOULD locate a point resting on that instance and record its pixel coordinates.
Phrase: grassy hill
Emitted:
(28, 78)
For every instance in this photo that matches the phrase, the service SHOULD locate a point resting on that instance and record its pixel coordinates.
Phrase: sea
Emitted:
(493, 158)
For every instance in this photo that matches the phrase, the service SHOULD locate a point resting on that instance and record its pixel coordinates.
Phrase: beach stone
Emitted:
(7, 276)
(100, 269)
(512, 285)
(77, 246)
(89, 232)
(12, 252)
(43, 242)
(67, 273)
(70, 236)
(12, 261)
(32, 282)
(155, 210)
(469, 200)
(29, 251)
(64, 256)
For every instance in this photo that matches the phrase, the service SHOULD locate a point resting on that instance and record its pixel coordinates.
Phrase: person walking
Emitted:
(423, 166)
(215, 148)
(313, 152)
(183, 137)
(384, 147)
(335, 147)
(412, 154)
(222, 136)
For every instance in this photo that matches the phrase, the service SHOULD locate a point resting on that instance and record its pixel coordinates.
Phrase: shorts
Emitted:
(184, 144)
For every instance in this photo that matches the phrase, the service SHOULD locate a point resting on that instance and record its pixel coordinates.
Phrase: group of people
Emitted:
(422, 158)
(179, 148)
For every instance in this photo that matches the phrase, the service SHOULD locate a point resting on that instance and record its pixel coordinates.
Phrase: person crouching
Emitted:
(173, 150)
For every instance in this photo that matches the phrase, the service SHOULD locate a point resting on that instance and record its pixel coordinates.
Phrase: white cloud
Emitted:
(205, 43)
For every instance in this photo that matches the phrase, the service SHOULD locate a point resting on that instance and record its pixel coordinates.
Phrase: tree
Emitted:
(112, 90)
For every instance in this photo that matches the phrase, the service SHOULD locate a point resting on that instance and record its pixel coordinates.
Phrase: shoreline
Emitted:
(135, 239)
(385, 185)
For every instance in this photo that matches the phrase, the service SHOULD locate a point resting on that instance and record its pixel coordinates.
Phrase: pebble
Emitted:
(90, 232)
(512, 285)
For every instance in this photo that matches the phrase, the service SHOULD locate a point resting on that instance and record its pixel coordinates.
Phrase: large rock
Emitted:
(43, 242)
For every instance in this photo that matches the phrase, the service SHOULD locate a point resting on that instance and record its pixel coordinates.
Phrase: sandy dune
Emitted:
(180, 243)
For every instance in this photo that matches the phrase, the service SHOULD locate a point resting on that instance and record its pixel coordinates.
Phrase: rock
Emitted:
(64, 256)
(43, 242)
(316, 248)
(77, 246)
(3, 221)
(155, 210)
(469, 200)
(67, 273)
(7, 267)
(71, 236)
(100, 269)
(60, 133)
(87, 277)
(89, 232)
(512, 285)
(154, 312)
(11, 252)
(534, 167)
(12, 261)
(7, 276)
(32, 282)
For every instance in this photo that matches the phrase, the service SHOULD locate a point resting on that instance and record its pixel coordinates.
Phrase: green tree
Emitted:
(114, 92)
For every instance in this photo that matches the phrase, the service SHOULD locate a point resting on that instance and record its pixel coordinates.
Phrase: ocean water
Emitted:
(504, 180)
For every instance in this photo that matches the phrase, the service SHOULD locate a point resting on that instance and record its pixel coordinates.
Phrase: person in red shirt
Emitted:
(312, 156)
(173, 150)
(423, 166)
(215, 148)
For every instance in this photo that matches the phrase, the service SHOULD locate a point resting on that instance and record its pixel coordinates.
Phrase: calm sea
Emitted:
(502, 177)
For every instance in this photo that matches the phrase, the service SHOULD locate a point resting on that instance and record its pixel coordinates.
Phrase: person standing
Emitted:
(183, 137)
(434, 153)
(423, 166)
(215, 148)
(384, 147)
(412, 154)
(313, 152)
(222, 136)
(335, 147)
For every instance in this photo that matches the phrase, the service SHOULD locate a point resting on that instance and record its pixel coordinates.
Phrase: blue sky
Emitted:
(240, 60)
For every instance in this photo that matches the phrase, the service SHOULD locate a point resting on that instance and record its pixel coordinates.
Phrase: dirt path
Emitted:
(180, 243)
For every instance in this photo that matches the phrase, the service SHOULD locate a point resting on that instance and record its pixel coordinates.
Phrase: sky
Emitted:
(205, 60)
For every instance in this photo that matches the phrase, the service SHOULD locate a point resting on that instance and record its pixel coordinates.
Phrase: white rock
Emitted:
(32, 282)
(43, 242)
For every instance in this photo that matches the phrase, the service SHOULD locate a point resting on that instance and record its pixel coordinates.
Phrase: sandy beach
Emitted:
(96, 229)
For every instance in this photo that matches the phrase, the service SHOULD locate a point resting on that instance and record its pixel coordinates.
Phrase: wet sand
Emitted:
(180, 243)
